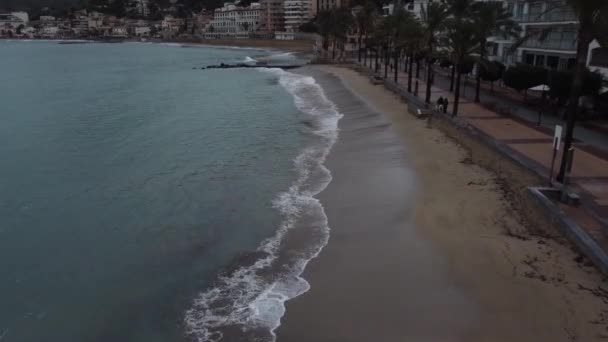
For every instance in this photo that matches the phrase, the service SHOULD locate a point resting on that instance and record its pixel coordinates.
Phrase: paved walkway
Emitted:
(522, 136)
(507, 98)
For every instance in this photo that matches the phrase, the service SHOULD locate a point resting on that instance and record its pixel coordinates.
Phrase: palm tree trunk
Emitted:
(429, 75)
(409, 73)
(386, 61)
(359, 52)
(452, 78)
(417, 68)
(478, 76)
(477, 84)
(333, 50)
(377, 64)
(396, 63)
(584, 39)
(365, 57)
(457, 91)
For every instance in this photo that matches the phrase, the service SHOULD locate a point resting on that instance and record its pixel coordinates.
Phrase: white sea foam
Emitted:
(249, 60)
(249, 298)
(281, 56)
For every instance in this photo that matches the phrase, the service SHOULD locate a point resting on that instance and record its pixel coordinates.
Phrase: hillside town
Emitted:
(287, 19)
(268, 19)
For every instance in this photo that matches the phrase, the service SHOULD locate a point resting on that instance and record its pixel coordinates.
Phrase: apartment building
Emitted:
(555, 50)
(298, 12)
(273, 15)
(324, 5)
(10, 23)
(233, 20)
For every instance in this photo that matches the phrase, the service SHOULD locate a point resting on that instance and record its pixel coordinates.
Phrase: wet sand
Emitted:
(419, 249)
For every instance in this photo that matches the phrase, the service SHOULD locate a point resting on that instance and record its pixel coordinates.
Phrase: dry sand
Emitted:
(419, 249)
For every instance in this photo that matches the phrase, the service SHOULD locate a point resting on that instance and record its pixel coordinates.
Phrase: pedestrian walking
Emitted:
(439, 105)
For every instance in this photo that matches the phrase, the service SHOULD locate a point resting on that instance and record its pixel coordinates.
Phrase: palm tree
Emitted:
(459, 40)
(593, 24)
(458, 10)
(381, 38)
(491, 19)
(343, 21)
(413, 45)
(365, 19)
(433, 18)
(406, 35)
(325, 21)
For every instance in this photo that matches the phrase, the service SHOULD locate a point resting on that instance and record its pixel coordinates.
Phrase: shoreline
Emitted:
(299, 46)
(522, 286)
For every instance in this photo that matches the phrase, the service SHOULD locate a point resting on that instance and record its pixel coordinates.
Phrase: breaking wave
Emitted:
(248, 303)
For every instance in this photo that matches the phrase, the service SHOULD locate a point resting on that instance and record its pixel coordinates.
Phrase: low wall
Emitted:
(569, 228)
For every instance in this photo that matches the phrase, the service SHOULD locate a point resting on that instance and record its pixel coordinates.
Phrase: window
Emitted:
(599, 57)
(552, 62)
(510, 8)
(529, 58)
(571, 63)
(540, 60)
(519, 10)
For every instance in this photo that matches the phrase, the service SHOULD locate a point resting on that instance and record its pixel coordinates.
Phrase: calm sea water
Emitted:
(128, 180)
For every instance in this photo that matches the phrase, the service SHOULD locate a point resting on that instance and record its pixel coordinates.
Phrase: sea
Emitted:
(144, 199)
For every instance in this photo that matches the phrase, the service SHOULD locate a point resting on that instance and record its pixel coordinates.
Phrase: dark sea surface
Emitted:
(129, 182)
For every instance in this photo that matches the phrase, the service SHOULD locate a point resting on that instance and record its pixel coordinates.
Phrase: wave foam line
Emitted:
(249, 300)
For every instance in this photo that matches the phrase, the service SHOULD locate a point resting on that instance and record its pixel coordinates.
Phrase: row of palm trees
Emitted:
(457, 31)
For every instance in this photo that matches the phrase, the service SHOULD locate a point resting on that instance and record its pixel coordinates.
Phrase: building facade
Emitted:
(274, 20)
(555, 51)
(232, 20)
(298, 12)
(11, 23)
(324, 5)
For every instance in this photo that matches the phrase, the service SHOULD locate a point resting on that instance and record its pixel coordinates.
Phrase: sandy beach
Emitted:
(426, 246)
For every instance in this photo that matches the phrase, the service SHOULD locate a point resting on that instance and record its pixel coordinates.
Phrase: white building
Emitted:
(50, 32)
(80, 25)
(47, 18)
(232, 20)
(556, 51)
(415, 7)
(119, 32)
(142, 7)
(298, 12)
(597, 59)
(171, 24)
(142, 31)
(10, 23)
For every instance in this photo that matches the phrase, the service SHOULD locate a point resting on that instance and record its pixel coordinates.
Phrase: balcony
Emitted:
(551, 16)
(565, 45)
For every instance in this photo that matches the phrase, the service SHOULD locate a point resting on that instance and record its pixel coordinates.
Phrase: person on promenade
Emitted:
(445, 105)
(439, 105)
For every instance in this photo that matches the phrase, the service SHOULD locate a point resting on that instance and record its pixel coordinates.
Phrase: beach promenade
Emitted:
(519, 133)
